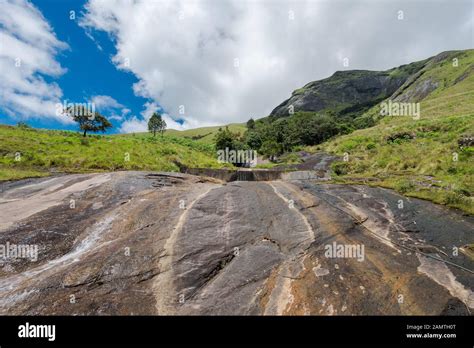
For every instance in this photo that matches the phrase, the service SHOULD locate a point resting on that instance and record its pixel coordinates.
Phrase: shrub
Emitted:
(370, 146)
(404, 186)
(452, 170)
(340, 168)
(453, 198)
(400, 136)
(23, 125)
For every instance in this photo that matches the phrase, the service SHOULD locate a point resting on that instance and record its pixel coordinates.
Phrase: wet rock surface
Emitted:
(168, 243)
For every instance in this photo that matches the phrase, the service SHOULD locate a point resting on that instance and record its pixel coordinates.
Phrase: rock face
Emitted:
(354, 91)
(343, 90)
(167, 243)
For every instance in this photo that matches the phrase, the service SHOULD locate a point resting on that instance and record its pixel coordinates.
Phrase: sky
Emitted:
(202, 63)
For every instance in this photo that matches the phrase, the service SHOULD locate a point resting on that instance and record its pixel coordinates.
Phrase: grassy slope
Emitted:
(44, 150)
(206, 135)
(421, 167)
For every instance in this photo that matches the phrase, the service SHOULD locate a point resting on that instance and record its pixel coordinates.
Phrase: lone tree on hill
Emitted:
(156, 123)
(88, 122)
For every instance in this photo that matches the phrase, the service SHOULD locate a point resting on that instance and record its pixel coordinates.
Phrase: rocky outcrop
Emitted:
(342, 92)
(168, 243)
(354, 91)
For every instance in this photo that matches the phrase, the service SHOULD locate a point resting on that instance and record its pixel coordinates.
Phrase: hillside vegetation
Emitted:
(27, 152)
(430, 157)
(206, 135)
(326, 108)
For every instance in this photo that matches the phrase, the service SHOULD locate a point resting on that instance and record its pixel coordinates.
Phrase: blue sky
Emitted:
(203, 63)
(90, 71)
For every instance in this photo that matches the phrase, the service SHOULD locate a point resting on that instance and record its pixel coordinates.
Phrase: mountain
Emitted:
(350, 91)
(430, 156)
(410, 128)
(349, 94)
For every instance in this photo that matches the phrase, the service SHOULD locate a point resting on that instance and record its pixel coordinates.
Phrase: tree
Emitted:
(250, 124)
(162, 127)
(226, 139)
(253, 140)
(156, 124)
(23, 125)
(271, 148)
(318, 129)
(88, 122)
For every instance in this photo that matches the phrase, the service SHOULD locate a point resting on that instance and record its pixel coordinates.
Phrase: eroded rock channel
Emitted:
(167, 243)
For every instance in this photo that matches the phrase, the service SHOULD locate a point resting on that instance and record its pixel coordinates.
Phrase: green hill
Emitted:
(206, 135)
(337, 105)
(347, 94)
(430, 157)
(44, 151)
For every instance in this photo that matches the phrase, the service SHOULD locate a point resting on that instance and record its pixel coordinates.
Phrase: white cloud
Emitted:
(150, 108)
(135, 124)
(184, 52)
(110, 107)
(29, 47)
(106, 102)
(115, 117)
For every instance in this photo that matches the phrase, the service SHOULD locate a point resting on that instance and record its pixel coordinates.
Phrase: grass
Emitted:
(43, 151)
(205, 135)
(419, 158)
(9, 173)
(299, 91)
(269, 165)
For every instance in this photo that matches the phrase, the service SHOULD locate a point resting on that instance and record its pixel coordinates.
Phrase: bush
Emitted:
(23, 125)
(404, 186)
(253, 140)
(340, 168)
(370, 146)
(400, 136)
(453, 198)
(291, 158)
(348, 145)
(166, 152)
(452, 170)
(226, 139)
